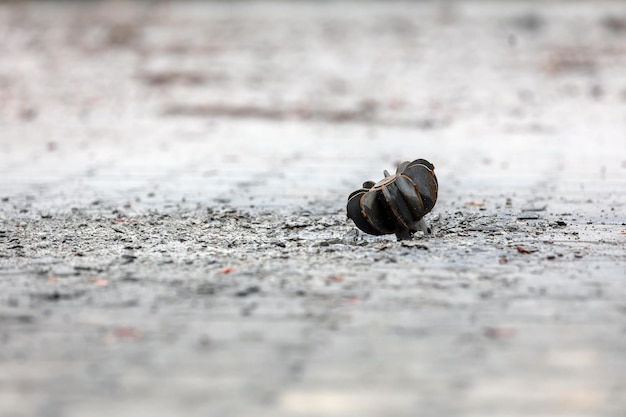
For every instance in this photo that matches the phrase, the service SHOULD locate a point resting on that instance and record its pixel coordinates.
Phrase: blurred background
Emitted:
(135, 134)
(117, 96)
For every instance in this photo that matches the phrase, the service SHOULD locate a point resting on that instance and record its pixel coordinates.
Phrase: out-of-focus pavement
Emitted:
(173, 179)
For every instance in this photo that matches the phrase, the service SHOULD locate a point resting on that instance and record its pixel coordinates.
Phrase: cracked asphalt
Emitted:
(173, 235)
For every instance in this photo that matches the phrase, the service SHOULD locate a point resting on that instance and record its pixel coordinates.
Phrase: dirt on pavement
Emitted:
(173, 235)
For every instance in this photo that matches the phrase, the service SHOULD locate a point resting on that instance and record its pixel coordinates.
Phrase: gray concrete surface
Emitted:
(173, 179)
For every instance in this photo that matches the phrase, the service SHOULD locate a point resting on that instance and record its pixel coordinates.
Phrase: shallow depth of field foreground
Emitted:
(173, 231)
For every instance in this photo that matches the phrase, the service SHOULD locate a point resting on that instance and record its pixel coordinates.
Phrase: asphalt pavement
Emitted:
(173, 234)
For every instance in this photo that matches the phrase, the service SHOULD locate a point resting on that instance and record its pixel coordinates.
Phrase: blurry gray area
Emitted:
(173, 238)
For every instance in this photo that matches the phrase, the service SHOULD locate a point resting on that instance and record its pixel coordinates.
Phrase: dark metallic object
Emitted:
(398, 203)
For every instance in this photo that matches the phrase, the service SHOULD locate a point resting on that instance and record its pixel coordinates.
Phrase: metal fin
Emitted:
(354, 212)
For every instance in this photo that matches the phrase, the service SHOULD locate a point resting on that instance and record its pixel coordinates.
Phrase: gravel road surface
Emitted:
(173, 235)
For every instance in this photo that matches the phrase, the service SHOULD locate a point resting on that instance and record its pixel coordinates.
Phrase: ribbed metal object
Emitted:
(397, 203)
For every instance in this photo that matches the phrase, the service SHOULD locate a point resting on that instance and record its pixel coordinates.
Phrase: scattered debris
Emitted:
(248, 291)
(296, 224)
(525, 249)
(413, 244)
(58, 295)
(128, 258)
(335, 278)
